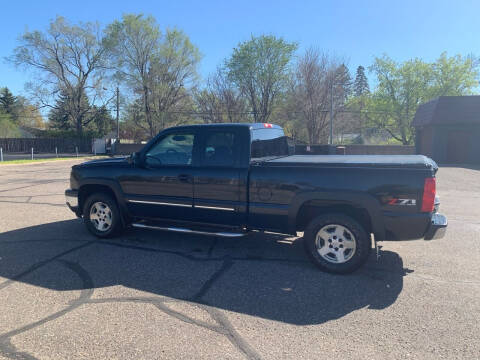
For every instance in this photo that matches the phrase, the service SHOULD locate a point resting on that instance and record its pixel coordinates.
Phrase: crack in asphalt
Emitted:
(31, 203)
(7, 349)
(35, 183)
(211, 258)
(32, 196)
(222, 324)
(40, 264)
(227, 264)
(223, 327)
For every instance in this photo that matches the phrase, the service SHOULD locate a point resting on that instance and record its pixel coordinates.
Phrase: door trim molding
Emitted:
(159, 203)
(213, 208)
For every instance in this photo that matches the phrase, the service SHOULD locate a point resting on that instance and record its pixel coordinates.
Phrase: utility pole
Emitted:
(118, 106)
(331, 114)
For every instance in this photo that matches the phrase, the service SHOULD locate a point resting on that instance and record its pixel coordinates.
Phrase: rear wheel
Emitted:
(101, 215)
(337, 243)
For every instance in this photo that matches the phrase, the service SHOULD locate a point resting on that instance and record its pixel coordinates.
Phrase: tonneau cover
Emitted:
(403, 161)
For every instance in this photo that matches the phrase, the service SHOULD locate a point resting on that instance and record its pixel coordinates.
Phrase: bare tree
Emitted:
(68, 59)
(209, 106)
(318, 82)
(220, 101)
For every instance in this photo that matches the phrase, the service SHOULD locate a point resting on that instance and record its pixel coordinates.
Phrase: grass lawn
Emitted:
(24, 161)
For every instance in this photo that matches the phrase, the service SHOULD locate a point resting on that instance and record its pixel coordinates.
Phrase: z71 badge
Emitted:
(406, 202)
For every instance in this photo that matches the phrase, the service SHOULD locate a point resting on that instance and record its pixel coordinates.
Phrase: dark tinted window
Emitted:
(266, 134)
(219, 149)
(173, 149)
(270, 143)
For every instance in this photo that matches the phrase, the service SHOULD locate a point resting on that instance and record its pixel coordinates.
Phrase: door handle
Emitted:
(184, 177)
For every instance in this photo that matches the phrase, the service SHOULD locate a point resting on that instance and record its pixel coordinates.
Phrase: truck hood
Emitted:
(103, 162)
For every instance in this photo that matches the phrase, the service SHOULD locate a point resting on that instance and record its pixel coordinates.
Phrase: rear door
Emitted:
(220, 182)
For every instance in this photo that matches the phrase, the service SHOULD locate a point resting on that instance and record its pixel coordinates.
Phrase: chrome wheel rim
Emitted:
(335, 243)
(101, 216)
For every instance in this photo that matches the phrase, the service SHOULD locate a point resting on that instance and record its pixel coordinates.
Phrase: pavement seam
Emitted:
(7, 349)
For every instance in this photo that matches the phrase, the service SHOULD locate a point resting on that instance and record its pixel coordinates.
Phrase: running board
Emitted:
(189, 231)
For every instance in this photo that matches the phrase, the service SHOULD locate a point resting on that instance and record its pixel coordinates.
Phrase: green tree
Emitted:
(161, 68)
(454, 76)
(66, 58)
(402, 87)
(101, 121)
(8, 128)
(97, 120)
(59, 117)
(259, 68)
(360, 85)
(343, 78)
(132, 119)
(134, 43)
(173, 71)
(8, 103)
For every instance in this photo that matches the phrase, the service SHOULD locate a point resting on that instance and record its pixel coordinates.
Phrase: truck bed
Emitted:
(389, 161)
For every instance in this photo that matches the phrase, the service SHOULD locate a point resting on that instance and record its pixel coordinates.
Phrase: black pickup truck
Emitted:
(228, 179)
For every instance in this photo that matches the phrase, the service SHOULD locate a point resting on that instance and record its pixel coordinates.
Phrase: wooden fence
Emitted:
(46, 145)
(354, 150)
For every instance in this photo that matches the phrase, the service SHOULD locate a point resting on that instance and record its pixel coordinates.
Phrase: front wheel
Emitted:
(336, 243)
(101, 215)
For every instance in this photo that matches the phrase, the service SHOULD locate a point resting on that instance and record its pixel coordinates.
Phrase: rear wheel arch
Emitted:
(313, 208)
(362, 207)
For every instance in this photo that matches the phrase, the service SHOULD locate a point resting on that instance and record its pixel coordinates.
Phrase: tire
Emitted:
(336, 243)
(98, 209)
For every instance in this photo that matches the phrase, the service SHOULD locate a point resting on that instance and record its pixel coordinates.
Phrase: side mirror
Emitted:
(133, 158)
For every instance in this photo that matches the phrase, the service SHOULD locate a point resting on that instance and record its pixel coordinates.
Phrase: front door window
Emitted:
(173, 149)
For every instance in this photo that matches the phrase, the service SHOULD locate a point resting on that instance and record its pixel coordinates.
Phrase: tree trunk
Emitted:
(79, 125)
(148, 115)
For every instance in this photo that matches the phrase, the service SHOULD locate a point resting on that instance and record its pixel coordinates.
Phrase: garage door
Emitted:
(458, 147)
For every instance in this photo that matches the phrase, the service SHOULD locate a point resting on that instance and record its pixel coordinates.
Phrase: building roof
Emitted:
(449, 110)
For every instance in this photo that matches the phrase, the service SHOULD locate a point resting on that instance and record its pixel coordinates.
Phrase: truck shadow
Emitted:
(263, 275)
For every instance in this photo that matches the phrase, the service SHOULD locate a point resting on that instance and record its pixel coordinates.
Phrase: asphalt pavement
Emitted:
(157, 295)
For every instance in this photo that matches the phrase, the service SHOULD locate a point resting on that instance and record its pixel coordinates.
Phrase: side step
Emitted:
(189, 231)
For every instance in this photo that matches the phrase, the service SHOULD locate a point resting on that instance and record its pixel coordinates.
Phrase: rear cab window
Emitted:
(268, 140)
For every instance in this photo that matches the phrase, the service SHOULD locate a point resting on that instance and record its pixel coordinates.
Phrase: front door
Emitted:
(162, 187)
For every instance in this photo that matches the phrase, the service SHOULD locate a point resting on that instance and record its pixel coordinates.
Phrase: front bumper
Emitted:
(437, 228)
(71, 199)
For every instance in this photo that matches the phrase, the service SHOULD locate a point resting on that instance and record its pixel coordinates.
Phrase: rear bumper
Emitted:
(437, 228)
(428, 226)
(71, 199)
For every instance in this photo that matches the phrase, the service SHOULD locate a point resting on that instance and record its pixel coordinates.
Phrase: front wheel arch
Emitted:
(108, 188)
(116, 218)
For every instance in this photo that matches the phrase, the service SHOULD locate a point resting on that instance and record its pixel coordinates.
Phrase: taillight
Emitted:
(429, 189)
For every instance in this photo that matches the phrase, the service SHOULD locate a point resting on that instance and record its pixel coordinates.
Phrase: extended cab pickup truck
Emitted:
(228, 179)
